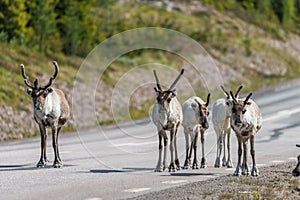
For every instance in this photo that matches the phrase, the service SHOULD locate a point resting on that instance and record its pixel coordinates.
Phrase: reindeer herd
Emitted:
(242, 115)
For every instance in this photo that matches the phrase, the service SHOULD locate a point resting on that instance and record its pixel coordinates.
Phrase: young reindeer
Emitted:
(195, 121)
(167, 116)
(246, 121)
(51, 109)
(221, 113)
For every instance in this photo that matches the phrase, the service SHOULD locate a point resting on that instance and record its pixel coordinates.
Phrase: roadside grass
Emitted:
(219, 32)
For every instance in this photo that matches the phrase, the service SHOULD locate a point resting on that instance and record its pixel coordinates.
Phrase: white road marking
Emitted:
(229, 169)
(175, 182)
(282, 113)
(134, 190)
(94, 198)
(292, 158)
(261, 165)
(277, 161)
(134, 144)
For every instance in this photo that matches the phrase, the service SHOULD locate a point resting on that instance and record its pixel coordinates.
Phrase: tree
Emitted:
(288, 13)
(76, 26)
(42, 21)
(13, 20)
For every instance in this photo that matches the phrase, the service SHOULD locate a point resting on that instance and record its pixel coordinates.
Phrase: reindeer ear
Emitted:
(174, 94)
(49, 90)
(29, 91)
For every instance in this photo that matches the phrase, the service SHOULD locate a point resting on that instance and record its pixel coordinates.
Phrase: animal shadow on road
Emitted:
(25, 167)
(105, 171)
(190, 174)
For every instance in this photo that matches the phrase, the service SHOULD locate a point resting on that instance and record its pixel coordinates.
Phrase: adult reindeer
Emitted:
(51, 109)
(195, 123)
(221, 113)
(246, 121)
(167, 116)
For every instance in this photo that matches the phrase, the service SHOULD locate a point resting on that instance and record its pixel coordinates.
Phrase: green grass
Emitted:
(214, 32)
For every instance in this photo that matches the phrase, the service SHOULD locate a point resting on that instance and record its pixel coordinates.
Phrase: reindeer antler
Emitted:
(176, 80)
(247, 98)
(53, 77)
(157, 81)
(238, 91)
(233, 97)
(225, 92)
(207, 100)
(26, 81)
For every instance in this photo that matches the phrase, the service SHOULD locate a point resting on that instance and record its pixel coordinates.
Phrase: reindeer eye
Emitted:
(244, 111)
(168, 100)
(207, 113)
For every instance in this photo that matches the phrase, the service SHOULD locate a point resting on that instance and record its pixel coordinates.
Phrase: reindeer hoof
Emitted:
(158, 170)
(57, 165)
(172, 170)
(255, 172)
(195, 166)
(229, 165)
(237, 174)
(217, 165)
(41, 164)
(238, 171)
(185, 167)
(203, 163)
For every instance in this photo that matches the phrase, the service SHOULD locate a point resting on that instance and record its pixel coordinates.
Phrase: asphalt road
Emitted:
(119, 162)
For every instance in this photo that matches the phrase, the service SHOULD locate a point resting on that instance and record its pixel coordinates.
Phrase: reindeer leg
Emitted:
(245, 168)
(172, 167)
(57, 163)
(58, 156)
(187, 147)
(165, 150)
(203, 160)
(238, 166)
(224, 148)
(219, 149)
(229, 161)
(43, 160)
(159, 166)
(195, 145)
(254, 171)
(296, 171)
(177, 163)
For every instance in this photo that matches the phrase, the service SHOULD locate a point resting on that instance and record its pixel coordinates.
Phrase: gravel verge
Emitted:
(274, 182)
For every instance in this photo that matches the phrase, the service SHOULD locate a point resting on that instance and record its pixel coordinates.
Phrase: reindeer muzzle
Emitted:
(38, 106)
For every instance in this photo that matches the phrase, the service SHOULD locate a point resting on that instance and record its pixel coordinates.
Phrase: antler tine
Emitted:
(225, 92)
(247, 98)
(176, 80)
(157, 81)
(53, 77)
(238, 91)
(207, 101)
(199, 104)
(26, 81)
(233, 97)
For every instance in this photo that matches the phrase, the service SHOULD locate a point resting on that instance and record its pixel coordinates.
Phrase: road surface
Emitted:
(119, 162)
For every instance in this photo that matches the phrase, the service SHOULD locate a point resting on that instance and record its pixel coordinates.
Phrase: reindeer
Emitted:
(195, 121)
(246, 121)
(221, 113)
(167, 116)
(51, 110)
